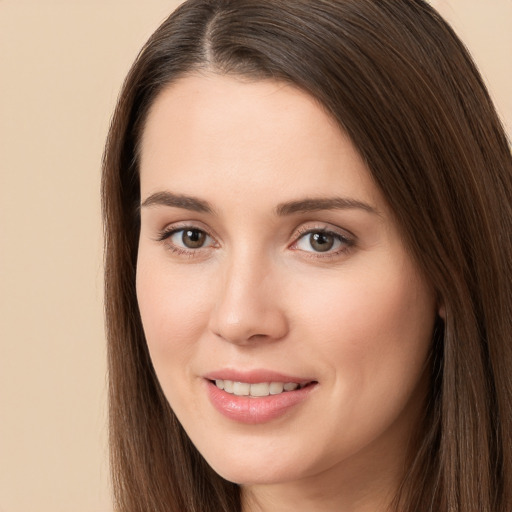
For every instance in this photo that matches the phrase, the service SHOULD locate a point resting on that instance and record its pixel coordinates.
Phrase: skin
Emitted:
(357, 318)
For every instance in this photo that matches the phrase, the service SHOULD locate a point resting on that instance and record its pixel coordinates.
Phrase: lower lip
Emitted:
(251, 410)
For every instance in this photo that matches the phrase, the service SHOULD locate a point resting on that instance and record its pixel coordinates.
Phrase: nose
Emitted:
(248, 307)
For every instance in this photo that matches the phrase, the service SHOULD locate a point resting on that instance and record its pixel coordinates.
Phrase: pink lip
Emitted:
(250, 410)
(255, 376)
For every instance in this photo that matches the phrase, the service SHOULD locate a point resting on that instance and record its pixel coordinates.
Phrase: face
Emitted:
(285, 319)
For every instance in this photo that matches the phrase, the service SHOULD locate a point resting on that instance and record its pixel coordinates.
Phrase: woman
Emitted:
(308, 256)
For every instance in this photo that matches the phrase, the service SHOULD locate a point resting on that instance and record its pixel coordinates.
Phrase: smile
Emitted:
(258, 389)
(257, 402)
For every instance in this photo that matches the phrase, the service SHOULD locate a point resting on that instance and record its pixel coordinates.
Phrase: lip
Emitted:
(251, 410)
(255, 376)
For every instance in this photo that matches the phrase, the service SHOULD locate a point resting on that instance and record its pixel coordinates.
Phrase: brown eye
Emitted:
(193, 238)
(187, 240)
(321, 242)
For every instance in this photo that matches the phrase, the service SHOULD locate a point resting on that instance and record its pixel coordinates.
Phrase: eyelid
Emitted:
(174, 227)
(324, 228)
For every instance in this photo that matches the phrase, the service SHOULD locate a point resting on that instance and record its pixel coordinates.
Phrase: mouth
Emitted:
(258, 389)
(257, 397)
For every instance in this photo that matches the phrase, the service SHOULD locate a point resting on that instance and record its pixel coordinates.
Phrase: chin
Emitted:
(260, 466)
(244, 474)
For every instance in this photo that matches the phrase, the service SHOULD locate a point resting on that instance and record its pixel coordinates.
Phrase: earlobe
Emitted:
(441, 310)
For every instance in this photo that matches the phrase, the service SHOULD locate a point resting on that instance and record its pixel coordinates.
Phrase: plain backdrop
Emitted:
(62, 64)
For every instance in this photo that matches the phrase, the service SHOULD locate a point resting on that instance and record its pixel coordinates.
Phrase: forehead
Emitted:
(221, 103)
(207, 129)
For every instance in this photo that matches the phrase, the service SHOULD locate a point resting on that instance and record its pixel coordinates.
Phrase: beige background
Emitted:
(62, 63)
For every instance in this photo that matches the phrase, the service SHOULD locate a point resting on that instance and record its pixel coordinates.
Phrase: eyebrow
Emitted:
(195, 204)
(177, 201)
(321, 203)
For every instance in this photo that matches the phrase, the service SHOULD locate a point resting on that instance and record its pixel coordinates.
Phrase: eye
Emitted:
(322, 241)
(319, 242)
(186, 239)
(189, 238)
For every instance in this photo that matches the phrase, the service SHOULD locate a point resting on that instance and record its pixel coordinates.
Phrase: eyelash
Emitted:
(346, 242)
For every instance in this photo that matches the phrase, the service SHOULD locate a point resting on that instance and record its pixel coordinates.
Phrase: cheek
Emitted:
(174, 313)
(372, 334)
(374, 325)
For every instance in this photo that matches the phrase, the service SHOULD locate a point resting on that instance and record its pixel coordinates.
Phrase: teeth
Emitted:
(276, 388)
(241, 388)
(259, 389)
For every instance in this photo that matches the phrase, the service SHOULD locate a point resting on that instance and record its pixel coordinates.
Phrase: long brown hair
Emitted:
(400, 83)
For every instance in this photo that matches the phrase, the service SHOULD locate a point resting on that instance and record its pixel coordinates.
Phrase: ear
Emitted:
(441, 310)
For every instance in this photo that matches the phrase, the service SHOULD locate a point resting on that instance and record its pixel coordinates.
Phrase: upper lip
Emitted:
(255, 376)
